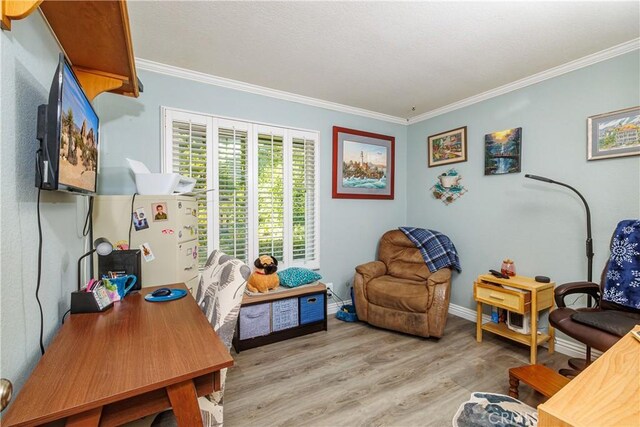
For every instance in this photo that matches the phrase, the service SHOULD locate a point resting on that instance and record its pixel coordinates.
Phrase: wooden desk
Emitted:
(607, 393)
(135, 359)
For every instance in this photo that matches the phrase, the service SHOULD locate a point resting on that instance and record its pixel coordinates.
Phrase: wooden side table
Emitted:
(507, 294)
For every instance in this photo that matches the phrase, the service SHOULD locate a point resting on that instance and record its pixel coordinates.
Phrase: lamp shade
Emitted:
(102, 246)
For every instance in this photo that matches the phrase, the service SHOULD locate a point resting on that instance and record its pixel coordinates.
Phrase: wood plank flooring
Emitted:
(356, 374)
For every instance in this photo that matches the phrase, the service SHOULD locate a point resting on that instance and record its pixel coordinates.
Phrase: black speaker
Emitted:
(122, 263)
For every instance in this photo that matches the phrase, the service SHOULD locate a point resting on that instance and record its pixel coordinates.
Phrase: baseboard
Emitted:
(565, 346)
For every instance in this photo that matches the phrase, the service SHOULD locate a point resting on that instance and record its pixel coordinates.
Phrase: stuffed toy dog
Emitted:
(264, 276)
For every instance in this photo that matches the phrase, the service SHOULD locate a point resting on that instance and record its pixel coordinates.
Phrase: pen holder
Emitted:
(95, 301)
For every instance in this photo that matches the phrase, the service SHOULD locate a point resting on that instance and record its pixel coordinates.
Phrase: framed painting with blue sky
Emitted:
(363, 165)
(502, 152)
(614, 134)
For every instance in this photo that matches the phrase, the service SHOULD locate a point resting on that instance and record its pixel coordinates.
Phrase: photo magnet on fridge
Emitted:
(146, 252)
(140, 220)
(160, 211)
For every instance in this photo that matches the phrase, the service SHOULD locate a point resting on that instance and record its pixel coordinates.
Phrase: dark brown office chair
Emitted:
(617, 308)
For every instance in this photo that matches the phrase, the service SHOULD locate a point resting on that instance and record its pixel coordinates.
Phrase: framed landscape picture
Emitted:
(614, 134)
(447, 147)
(502, 151)
(363, 165)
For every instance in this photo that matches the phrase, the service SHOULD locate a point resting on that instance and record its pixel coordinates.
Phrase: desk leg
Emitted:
(87, 418)
(479, 322)
(184, 402)
(534, 327)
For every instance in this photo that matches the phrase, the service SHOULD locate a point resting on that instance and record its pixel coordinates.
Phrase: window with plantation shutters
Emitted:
(265, 181)
(189, 158)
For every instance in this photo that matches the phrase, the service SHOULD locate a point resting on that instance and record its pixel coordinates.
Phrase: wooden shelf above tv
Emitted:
(94, 35)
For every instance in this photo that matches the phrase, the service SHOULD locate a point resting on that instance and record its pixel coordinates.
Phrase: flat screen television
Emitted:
(68, 129)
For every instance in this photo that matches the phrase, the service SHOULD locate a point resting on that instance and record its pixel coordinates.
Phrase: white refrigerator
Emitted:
(164, 228)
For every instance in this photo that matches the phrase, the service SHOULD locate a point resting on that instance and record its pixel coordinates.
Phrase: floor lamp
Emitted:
(578, 364)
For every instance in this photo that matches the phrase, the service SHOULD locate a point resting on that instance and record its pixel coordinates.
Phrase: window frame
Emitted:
(253, 129)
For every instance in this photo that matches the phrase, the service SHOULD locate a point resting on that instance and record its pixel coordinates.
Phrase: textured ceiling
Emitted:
(381, 56)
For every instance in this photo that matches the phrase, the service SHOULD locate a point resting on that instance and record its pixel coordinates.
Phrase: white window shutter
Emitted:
(304, 231)
(185, 152)
(233, 192)
(270, 193)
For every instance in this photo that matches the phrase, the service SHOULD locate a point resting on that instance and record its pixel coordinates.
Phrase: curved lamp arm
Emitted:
(589, 242)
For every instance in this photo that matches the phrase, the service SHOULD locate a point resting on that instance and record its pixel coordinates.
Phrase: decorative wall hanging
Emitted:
(363, 165)
(448, 187)
(614, 134)
(502, 151)
(447, 147)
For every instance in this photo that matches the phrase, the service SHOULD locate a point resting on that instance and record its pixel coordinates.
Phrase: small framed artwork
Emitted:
(447, 147)
(363, 164)
(502, 152)
(614, 134)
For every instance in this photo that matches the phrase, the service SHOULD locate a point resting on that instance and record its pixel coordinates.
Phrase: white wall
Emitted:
(349, 229)
(540, 226)
(29, 57)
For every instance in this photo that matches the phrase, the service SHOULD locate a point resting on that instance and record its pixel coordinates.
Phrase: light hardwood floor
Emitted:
(356, 374)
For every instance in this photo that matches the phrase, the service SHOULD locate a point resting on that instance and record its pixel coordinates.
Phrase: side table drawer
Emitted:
(519, 302)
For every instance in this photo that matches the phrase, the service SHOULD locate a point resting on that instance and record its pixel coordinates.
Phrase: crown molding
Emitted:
(594, 58)
(183, 73)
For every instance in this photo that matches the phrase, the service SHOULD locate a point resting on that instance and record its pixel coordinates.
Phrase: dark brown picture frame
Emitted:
(436, 142)
(368, 141)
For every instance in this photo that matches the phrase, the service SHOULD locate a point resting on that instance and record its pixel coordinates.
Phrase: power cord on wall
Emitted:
(133, 201)
(333, 296)
(88, 221)
(38, 153)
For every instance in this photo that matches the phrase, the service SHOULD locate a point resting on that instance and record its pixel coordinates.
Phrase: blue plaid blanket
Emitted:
(622, 283)
(437, 249)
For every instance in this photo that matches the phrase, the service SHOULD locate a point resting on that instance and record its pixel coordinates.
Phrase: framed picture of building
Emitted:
(363, 165)
(447, 147)
(614, 134)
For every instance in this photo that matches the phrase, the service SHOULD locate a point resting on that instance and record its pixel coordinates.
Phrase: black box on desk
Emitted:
(122, 263)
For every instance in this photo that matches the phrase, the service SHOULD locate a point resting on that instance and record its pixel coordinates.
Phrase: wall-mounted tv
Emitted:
(68, 129)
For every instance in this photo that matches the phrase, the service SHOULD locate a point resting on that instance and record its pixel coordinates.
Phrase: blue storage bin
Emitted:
(284, 314)
(255, 321)
(311, 308)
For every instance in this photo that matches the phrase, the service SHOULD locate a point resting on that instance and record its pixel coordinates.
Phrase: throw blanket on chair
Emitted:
(437, 249)
(622, 283)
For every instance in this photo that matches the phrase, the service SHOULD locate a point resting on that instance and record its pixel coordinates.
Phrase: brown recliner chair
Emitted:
(599, 327)
(399, 292)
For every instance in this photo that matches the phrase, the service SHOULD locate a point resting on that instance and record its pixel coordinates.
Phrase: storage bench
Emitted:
(277, 316)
